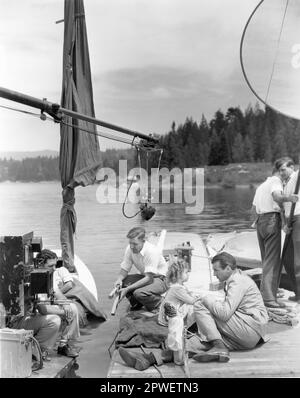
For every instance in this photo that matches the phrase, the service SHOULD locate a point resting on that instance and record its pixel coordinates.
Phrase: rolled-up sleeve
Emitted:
(276, 186)
(223, 310)
(127, 260)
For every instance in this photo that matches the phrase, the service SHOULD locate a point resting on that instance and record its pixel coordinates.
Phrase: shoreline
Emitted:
(233, 175)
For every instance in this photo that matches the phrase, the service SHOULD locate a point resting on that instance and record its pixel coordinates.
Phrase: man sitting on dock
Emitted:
(66, 309)
(45, 329)
(238, 322)
(146, 287)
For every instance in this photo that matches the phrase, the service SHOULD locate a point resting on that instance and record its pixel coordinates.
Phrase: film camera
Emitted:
(22, 279)
(182, 252)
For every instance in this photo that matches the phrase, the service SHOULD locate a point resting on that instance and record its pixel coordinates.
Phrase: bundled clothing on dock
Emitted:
(136, 329)
(85, 302)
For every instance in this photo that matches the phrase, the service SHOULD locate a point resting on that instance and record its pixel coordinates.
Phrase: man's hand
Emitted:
(68, 312)
(118, 283)
(293, 198)
(123, 293)
(287, 230)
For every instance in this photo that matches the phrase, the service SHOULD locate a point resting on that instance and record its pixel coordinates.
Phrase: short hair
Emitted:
(137, 232)
(45, 255)
(225, 259)
(281, 161)
(274, 171)
(175, 270)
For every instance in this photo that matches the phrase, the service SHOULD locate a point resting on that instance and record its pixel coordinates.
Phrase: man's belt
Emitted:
(269, 213)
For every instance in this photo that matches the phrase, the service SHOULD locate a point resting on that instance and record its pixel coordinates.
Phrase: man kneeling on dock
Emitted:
(238, 322)
(146, 287)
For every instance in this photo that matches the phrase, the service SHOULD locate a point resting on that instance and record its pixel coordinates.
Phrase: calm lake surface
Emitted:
(101, 239)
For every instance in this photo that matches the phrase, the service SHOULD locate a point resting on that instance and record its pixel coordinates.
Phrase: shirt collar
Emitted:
(288, 179)
(142, 252)
(235, 272)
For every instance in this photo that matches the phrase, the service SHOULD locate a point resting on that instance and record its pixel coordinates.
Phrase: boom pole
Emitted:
(56, 111)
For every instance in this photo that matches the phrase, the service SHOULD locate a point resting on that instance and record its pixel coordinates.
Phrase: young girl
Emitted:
(179, 301)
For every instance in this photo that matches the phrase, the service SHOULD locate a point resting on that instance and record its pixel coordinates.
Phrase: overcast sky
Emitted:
(152, 62)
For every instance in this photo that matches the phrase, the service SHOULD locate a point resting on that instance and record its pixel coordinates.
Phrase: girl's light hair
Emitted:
(175, 270)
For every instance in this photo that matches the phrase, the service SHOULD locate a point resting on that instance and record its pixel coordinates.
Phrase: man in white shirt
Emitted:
(268, 198)
(146, 287)
(292, 255)
(67, 310)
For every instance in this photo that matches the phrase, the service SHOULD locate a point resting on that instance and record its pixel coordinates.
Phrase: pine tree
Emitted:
(238, 149)
(213, 158)
(248, 150)
(279, 146)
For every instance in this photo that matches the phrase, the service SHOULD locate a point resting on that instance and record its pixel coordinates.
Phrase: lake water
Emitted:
(101, 239)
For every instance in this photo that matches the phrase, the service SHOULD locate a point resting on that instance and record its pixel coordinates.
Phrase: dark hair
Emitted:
(175, 270)
(281, 161)
(45, 255)
(224, 260)
(137, 232)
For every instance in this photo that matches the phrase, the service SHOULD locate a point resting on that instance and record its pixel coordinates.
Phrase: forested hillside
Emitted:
(255, 135)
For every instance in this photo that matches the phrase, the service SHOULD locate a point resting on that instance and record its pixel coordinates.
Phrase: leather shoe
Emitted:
(170, 310)
(137, 360)
(45, 355)
(295, 299)
(274, 304)
(217, 354)
(67, 351)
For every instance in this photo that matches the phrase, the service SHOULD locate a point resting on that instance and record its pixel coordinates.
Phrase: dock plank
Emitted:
(58, 367)
(279, 357)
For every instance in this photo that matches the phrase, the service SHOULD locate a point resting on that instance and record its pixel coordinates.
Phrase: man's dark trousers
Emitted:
(269, 239)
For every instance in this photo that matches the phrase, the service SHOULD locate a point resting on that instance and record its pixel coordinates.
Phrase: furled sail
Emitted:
(79, 150)
(270, 55)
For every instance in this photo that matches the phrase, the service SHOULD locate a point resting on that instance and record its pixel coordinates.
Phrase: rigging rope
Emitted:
(241, 52)
(277, 48)
(21, 111)
(138, 145)
(99, 134)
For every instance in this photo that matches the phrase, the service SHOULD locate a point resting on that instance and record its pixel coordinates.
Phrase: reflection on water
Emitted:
(101, 239)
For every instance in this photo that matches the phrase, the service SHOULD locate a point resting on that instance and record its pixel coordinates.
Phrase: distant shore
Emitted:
(227, 176)
(237, 174)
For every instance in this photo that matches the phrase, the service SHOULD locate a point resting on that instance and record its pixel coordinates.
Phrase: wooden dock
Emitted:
(279, 357)
(59, 367)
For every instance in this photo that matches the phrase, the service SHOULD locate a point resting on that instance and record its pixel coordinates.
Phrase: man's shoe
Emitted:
(296, 299)
(136, 307)
(67, 351)
(45, 355)
(214, 354)
(274, 304)
(137, 360)
(170, 310)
